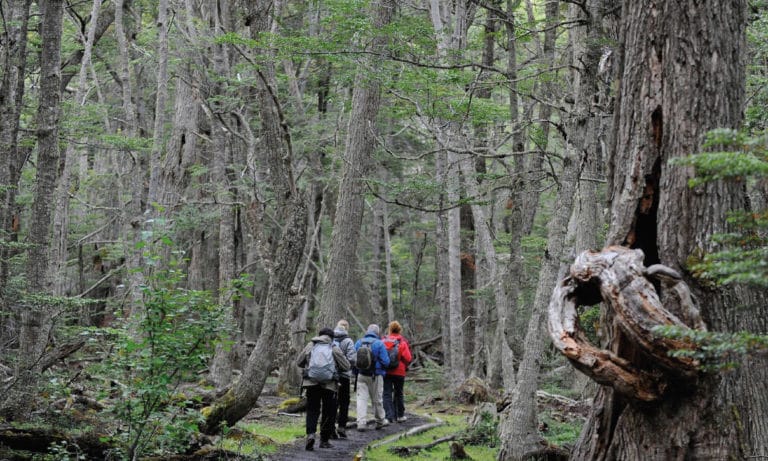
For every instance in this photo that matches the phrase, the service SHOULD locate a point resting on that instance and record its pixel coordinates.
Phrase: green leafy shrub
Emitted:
(166, 344)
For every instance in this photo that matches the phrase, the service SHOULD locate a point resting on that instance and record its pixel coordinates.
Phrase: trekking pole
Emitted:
(356, 382)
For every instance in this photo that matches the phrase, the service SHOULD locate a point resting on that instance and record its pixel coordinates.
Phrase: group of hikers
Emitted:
(377, 363)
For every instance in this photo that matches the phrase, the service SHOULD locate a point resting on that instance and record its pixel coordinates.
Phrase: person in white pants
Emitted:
(370, 383)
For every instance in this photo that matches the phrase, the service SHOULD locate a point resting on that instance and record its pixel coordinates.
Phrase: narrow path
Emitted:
(344, 450)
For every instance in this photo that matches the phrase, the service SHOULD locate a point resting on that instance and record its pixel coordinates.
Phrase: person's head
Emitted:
(325, 332)
(395, 328)
(372, 329)
(342, 325)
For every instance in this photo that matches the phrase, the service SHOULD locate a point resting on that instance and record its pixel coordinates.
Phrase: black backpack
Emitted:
(365, 361)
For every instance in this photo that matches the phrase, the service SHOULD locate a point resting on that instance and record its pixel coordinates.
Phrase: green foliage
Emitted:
(254, 439)
(170, 340)
(559, 431)
(716, 351)
(485, 433)
(743, 254)
(455, 423)
(589, 319)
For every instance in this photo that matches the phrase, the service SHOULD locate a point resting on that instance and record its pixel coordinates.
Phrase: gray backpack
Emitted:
(322, 366)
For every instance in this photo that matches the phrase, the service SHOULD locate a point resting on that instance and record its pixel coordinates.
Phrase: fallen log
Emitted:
(425, 342)
(413, 431)
(37, 440)
(412, 450)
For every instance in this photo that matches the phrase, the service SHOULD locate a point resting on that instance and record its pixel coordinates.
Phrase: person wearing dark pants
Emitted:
(394, 403)
(394, 380)
(321, 404)
(341, 338)
(322, 362)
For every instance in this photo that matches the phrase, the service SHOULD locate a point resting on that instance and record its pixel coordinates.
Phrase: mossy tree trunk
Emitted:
(682, 75)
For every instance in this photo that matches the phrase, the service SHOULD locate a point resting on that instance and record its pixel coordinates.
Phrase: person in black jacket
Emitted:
(321, 395)
(341, 338)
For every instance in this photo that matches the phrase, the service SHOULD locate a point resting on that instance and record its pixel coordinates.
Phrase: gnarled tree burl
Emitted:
(617, 276)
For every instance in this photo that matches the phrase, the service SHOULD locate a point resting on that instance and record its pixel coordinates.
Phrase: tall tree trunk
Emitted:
(158, 139)
(221, 368)
(14, 59)
(534, 163)
(456, 371)
(441, 263)
(36, 317)
(518, 426)
(285, 262)
(358, 149)
(587, 125)
(501, 364)
(676, 84)
(59, 253)
(387, 262)
(450, 23)
(133, 218)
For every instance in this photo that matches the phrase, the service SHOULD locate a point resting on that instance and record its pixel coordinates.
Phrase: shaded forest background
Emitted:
(185, 182)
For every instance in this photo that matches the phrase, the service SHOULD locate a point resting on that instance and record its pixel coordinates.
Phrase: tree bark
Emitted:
(676, 84)
(36, 316)
(358, 149)
(133, 219)
(222, 364)
(59, 253)
(154, 196)
(14, 58)
(518, 426)
(285, 262)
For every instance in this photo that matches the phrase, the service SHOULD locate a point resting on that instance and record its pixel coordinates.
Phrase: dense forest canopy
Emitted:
(192, 188)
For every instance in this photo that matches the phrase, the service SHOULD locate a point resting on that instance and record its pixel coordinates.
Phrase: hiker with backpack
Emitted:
(394, 380)
(322, 362)
(347, 346)
(371, 360)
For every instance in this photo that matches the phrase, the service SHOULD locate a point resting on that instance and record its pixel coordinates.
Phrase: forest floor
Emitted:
(270, 432)
(427, 404)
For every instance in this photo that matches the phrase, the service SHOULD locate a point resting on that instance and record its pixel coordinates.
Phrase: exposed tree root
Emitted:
(616, 276)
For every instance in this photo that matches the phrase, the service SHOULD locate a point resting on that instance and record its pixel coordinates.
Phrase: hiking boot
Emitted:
(325, 444)
(310, 442)
(335, 435)
(361, 428)
(383, 423)
(402, 419)
(341, 433)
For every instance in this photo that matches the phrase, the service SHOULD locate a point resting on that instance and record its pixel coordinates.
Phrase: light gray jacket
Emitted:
(347, 346)
(342, 364)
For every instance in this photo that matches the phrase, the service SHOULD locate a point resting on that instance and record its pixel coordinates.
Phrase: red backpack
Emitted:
(393, 350)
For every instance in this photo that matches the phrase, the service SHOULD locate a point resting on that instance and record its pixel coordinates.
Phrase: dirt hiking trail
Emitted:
(344, 449)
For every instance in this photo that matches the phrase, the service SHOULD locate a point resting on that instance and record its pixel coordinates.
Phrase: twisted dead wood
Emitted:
(616, 276)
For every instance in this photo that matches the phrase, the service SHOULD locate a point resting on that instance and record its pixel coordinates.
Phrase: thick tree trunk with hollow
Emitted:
(683, 75)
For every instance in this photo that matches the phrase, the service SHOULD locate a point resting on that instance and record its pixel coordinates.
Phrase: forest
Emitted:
(564, 203)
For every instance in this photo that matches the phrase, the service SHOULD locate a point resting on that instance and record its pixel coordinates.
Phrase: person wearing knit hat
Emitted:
(341, 338)
(321, 393)
(370, 381)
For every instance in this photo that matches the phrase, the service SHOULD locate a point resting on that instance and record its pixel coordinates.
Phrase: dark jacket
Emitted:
(378, 351)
